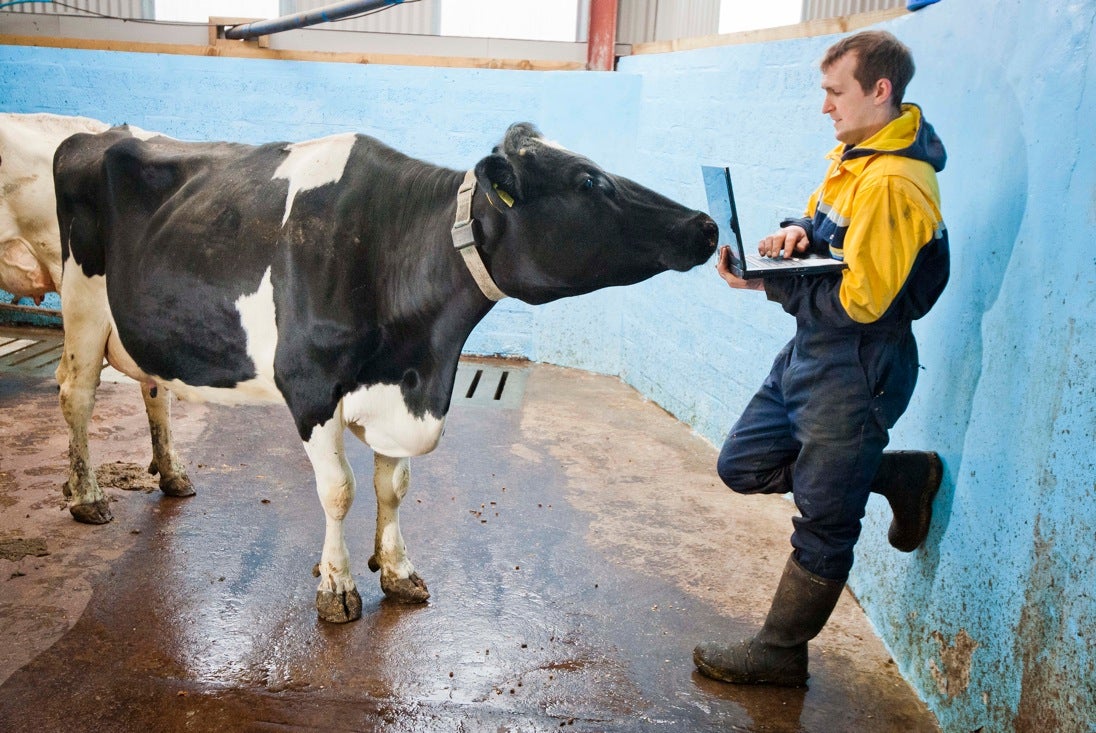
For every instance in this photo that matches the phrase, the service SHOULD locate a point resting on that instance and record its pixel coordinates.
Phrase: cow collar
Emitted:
(465, 242)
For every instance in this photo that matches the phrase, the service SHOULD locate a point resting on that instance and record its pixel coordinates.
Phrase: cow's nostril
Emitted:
(711, 232)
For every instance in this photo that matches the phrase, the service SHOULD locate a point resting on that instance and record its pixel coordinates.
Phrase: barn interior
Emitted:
(575, 538)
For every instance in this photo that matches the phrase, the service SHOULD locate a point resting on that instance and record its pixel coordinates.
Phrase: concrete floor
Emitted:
(577, 545)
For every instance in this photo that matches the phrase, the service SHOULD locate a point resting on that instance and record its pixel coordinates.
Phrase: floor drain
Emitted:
(487, 385)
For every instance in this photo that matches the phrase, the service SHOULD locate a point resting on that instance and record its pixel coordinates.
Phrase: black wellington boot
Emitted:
(909, 480)
(776, 655)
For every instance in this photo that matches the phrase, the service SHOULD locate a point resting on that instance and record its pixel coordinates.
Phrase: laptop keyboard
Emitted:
(757, 262)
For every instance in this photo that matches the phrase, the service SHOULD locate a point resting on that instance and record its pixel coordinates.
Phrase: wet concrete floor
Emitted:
(576, 547)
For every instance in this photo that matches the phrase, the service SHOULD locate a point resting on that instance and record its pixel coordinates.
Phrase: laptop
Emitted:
(721, 207)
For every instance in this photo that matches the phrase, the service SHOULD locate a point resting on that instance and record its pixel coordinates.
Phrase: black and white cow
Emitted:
(338, 276)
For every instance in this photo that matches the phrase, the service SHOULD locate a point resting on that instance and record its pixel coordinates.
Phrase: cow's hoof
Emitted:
(95, 513)
(339, 608)
(179, 486)
(405, 590)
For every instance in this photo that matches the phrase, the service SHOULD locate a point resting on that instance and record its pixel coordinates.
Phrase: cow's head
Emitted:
(555, 224)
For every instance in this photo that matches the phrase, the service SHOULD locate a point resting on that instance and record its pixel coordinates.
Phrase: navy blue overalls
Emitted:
(818, 425)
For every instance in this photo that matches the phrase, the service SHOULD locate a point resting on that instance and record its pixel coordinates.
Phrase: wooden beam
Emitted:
(244, 49)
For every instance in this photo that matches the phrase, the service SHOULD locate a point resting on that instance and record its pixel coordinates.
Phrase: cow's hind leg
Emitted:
(399, 581)
(173, 478)
(86, 331)
(337, 598)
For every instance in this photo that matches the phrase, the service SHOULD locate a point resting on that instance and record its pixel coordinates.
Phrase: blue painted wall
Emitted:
(1013, 566)
(994, 622)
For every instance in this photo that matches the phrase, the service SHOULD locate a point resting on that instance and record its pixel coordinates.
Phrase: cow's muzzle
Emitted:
(695, 241)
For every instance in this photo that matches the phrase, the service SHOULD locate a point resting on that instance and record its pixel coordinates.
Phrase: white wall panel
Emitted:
(416, 18)
(817, 9)
(114, 8)
(641, 21)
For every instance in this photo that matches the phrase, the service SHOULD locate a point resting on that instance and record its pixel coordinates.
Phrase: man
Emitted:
(819, 423)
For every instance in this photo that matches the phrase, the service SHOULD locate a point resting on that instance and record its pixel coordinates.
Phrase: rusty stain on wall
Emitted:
(954, 676)
(1050, 696)
(1040, 687)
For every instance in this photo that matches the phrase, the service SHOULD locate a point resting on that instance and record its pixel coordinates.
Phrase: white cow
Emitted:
(30, 246)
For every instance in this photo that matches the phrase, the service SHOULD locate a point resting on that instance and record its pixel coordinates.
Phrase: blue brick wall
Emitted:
(1006, 394)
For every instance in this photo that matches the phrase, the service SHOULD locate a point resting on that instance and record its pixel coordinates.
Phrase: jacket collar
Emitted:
(908, 135)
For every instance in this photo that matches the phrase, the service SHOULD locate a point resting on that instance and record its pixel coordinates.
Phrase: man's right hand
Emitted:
(790, 241)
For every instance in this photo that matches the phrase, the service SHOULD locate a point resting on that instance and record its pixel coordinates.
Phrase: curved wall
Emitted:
(993, 622)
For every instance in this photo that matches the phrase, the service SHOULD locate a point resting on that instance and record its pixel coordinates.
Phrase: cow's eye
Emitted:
(587, 183)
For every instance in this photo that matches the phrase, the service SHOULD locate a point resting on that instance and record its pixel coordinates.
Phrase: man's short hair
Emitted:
(879, 56)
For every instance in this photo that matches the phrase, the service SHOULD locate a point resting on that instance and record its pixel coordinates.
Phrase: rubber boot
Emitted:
(776, 655)
(909, 480)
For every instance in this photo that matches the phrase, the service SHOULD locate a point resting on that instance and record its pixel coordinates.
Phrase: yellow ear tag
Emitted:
(506, 198)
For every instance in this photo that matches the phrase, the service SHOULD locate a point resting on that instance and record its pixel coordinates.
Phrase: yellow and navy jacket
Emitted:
(878, 210)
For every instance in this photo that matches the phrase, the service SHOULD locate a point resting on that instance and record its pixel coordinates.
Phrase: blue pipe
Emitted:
(326, 14)
(23, 2)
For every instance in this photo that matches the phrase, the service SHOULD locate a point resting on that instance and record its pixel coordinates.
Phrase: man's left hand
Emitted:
(722, 266)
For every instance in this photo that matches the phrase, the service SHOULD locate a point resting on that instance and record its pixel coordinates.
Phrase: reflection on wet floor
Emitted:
(576, 550)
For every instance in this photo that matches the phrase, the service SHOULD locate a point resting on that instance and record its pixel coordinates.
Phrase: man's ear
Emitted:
(883, 91)
(498, 179)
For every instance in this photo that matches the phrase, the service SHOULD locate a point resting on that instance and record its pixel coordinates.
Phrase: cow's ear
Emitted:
(520, 136)
(497, 178)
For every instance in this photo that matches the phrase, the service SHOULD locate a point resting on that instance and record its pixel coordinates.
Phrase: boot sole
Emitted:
(935, 478)
(718, 674)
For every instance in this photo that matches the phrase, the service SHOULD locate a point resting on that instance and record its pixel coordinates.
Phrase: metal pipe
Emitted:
(326, 14)
(601, 43)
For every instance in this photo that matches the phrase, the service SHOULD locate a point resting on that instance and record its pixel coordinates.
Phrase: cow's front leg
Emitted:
(173, 478)
(399, 581)
(337, 598)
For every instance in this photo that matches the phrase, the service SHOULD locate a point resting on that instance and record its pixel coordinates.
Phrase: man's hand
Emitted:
(788, 242)
(723, 267)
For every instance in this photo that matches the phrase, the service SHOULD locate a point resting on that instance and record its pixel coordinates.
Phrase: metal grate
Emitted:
(488, 385)
(32, 354)
(35, 352)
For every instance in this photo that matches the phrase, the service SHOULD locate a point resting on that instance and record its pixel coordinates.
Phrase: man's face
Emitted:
(856, 114)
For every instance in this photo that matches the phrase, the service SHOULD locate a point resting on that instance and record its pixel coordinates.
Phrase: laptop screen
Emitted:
(721, 206)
